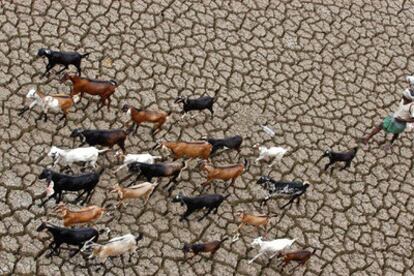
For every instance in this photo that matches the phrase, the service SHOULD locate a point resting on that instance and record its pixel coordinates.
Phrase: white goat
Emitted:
(268, 247)
(56, 103)
(131, 158)
(276, 153)
(88, 155)
(114, 247)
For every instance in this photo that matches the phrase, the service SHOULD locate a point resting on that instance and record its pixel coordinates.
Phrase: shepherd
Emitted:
(397, 122)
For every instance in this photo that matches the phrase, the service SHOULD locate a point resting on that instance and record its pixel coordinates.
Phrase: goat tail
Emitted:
(313, 251)
(114, 82)
(157, 157)
(225, 197)
(139, 237)
(104, 150)
(85, 55)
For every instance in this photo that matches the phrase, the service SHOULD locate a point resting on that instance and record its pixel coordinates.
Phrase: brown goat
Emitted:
(104, 89)
(300, 256)
(84, 215)
(254, 220)
(141, 116)
(197, 248)
(188, 149)
(223, 173)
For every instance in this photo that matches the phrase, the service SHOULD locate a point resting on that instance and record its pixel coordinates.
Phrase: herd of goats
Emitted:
(85, 238)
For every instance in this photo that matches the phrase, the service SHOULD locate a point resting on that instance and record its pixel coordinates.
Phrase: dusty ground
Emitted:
(320, 73)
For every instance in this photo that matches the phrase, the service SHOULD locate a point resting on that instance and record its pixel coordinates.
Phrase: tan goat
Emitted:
(137, 191)
(261, 220)
(222, 173)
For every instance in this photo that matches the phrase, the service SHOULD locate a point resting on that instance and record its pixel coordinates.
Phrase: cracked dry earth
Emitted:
(321, 73)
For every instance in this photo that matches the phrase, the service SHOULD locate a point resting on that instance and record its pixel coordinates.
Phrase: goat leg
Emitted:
(290, 202)
(46, 200)
(63, 69)
(75, 251)
(40, 117)
(329, 164)
(293, 268)
(347, 165)
(205, 214)
(255, 257)
(79, 196)
(87, 198)
(186, 214)
(23, 110)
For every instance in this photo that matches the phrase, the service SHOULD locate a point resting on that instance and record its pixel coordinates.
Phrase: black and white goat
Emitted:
(58, 183)
(204, 102)
(149, 171)
(209, 201)
(102, 137)
(233, 142)
(292, 189)
(334, 157)
(70, 236)
(61, 58)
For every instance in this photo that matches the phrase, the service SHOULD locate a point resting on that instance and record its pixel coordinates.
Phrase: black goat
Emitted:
(334, 157)
(149, 171)
(292, 189)
(61, 58)
(233, 142)
(209, 201)
(105, 138)
(70, 236)
(64, 182)
(204, 102)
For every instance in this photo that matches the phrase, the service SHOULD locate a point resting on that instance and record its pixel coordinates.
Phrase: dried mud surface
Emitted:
(320, 72)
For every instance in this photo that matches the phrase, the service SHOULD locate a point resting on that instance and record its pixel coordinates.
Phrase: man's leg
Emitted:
(376, 129)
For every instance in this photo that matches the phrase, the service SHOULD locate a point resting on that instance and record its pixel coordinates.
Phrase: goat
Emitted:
(53, 102)
(254, 220)
(276, 153)
(209, 201)
(200, 149)
(104, 89)
(88, 155)
(334, 157)
(131, 158)
(292, 189)
(61, 58)
(114, 247)
(274, 246)
(141, 190)
(233, 142)
(140, 116)
(106, 138)
(165, 169)
(70, 236)
(57, 183)
(197, 248)
(223, 173)
(204, 102)
(300, 256)
(84, 215)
